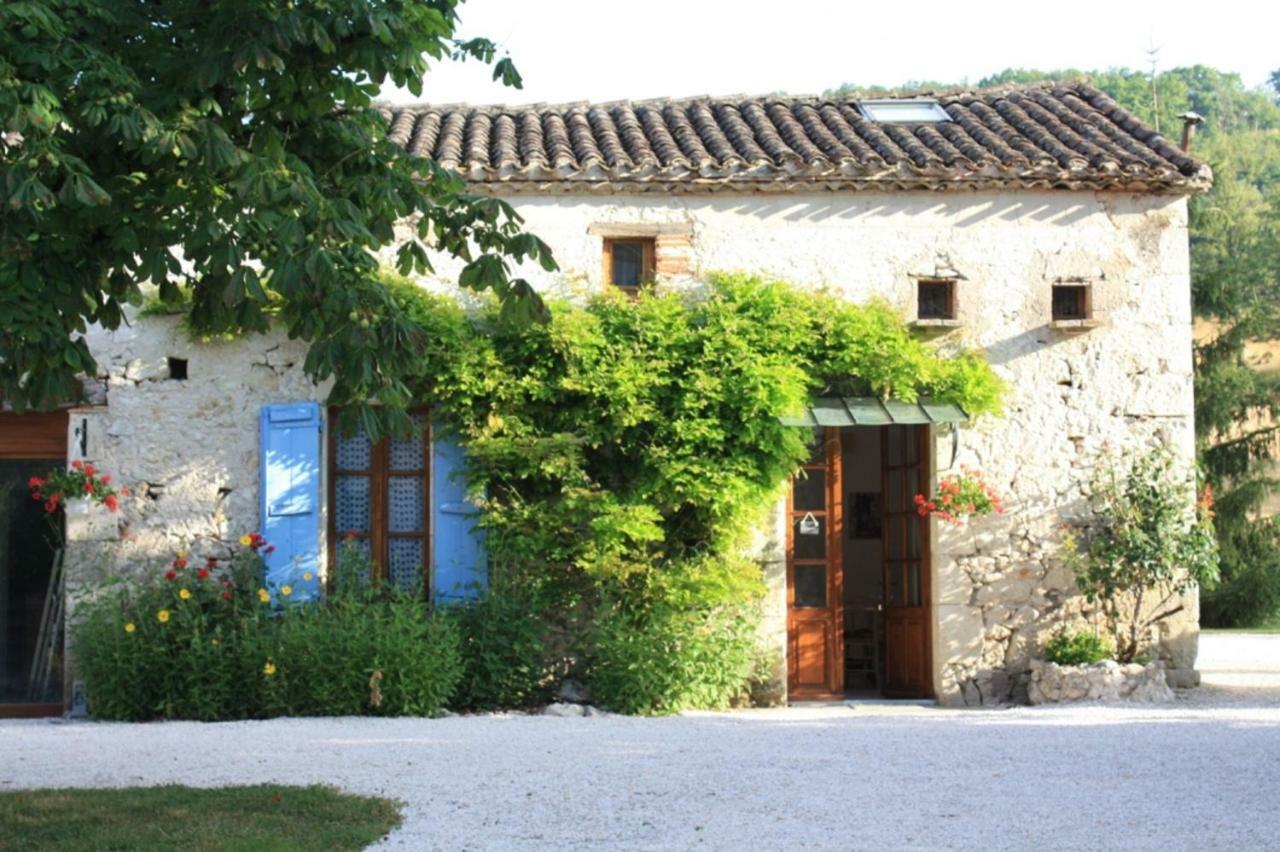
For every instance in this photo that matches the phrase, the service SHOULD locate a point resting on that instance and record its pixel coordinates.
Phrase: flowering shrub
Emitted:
(1149, 540)
(960, 496)
(203, 639)
(80, 480)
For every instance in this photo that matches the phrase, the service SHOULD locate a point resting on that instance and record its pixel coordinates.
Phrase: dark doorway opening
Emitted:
(31, 641)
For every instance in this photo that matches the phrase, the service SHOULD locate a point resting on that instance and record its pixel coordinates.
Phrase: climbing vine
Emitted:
(624, 450)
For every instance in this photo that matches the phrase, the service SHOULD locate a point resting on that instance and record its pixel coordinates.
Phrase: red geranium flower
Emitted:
(171, 574)
(179, 563)
(77, 464)
(111, 502)
(35, 482)
(203, 573)
(226, 596)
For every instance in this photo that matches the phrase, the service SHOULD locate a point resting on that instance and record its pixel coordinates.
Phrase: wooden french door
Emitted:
(815, 639)
(905, 473)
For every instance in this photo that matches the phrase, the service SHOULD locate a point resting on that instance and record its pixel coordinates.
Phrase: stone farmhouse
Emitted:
(1043, 224)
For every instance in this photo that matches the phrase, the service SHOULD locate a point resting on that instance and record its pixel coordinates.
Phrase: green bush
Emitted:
(679, 640)
(664, 659)
(1248, 592)
(212, 647)
(171, 646)
(504, 663)
(356, 655)
(1074, 648)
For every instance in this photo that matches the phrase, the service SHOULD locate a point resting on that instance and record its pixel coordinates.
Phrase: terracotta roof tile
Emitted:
(1041, 136)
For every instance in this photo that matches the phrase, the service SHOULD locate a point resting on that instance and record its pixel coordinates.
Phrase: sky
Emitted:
(573, 50)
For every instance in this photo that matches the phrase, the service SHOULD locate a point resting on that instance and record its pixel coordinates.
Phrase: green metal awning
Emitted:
(870, 411)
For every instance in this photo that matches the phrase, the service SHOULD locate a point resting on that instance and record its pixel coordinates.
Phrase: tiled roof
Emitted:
(1040, 136)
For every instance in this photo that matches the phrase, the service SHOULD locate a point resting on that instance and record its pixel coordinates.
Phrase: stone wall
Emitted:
(187, 449)
(1076, 396)
(190, 447)
(1105, 681)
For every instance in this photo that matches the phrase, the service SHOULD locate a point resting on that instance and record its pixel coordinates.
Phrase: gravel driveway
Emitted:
(1200, 774)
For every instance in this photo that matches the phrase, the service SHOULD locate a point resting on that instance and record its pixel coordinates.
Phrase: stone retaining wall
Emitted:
(1105, 681)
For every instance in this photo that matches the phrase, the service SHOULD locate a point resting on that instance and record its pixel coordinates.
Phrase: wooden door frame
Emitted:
(24, 437)
(833, 464)
(923, 435)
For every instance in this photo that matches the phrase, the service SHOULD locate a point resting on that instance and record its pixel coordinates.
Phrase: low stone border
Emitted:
(1104, 681)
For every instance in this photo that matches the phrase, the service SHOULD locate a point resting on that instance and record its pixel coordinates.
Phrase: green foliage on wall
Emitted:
(624, 450)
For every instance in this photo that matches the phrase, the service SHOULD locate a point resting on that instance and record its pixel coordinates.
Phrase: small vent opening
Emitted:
(1070, 302)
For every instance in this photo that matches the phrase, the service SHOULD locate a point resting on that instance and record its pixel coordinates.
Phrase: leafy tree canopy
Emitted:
(233, 149)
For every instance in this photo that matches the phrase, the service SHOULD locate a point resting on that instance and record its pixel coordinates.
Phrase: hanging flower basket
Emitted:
(960, 496)
(79, 481)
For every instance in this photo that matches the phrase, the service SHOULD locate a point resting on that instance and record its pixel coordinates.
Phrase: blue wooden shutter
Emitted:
(290, 488)
(459, 565)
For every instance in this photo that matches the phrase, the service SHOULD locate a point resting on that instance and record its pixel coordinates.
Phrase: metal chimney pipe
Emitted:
(1189, 122)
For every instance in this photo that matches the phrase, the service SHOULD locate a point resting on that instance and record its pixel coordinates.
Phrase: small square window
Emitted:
(935, 299)
(1070, 302)
(628, 264)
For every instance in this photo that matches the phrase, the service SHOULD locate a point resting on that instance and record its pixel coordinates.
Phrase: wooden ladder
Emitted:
(49, 639)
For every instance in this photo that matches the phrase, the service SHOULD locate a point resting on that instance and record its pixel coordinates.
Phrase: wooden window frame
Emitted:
(950, 312)
(648, 262)
(380, 475)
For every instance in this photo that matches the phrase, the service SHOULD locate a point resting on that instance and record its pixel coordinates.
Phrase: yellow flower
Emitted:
(263, 596)
(286, 590)
(246, 540)
(307, 576)
(162, 616)
(215, 641)
(130, 627)
(182, 554)
(268, 668)
(184, 593)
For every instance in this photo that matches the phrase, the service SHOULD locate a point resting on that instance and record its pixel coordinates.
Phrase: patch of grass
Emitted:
(258, 817)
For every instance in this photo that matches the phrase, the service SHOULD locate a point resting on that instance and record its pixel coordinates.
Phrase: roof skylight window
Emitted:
(903, 110)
